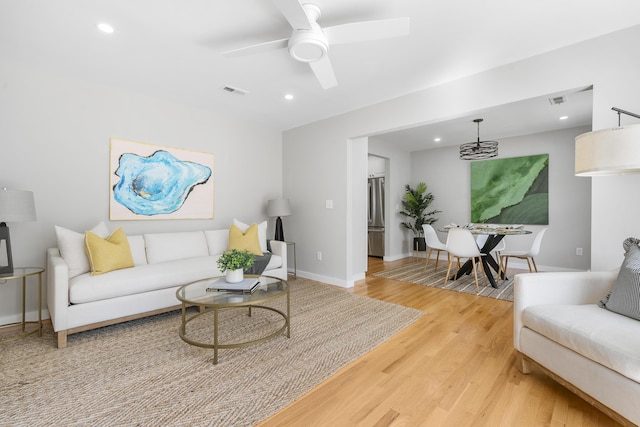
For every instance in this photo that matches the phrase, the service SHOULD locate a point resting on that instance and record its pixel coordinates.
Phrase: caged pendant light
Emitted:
(480, 149)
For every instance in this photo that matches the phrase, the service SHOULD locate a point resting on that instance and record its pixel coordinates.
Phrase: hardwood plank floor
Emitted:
(453, 367)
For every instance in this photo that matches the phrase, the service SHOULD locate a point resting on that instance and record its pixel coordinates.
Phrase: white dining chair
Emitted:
(462, 244)
(527, 255)
(433, 243)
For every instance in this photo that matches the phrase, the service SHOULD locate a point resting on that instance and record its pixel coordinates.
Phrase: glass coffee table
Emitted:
(196, 294)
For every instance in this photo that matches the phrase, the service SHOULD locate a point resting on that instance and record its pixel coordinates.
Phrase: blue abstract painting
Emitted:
(160, 184)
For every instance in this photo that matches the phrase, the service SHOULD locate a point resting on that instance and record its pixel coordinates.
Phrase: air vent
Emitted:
(557, 100)
(235, 90)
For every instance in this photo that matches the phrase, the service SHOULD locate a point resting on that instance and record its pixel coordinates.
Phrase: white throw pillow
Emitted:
(262, 232)
(71, 246)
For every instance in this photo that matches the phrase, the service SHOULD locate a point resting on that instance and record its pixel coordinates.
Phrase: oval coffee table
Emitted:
(196, 294)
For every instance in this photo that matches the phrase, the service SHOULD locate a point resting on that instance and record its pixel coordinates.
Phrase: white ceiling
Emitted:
(171, 49)
(521, 118)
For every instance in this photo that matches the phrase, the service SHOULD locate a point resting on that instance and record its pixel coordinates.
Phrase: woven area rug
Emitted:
(414, 273)
(141, 373)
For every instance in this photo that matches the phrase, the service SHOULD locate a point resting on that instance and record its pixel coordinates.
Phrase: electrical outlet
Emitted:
(579, 251)
(319, 256)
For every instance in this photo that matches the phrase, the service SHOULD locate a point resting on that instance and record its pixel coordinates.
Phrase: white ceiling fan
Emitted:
(310, 43)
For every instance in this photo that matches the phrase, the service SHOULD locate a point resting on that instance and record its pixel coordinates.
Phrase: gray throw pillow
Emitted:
(624, 298)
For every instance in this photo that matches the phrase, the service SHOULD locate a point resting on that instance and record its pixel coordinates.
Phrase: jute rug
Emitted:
(414, 273)
(141, 373)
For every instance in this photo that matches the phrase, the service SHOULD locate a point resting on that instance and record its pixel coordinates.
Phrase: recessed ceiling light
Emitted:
(105, 28)
(437, 139)
(288, 97)
(564, 117)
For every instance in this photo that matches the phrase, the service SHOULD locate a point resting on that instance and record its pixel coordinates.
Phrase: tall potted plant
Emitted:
(415, 204)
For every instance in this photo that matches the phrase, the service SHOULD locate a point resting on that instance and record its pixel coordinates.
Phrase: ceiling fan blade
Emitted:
(294, 13)
(257, 48)
(324, 72)
(367, 30)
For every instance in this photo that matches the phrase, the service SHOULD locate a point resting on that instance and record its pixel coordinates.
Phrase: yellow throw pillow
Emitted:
(112, 253)
(245, 241)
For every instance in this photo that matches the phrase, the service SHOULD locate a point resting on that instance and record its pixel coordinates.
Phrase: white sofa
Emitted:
(163, 263)
(594, 352)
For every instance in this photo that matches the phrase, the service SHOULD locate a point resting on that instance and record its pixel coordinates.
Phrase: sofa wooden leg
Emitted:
(62, 339)
(523, 364)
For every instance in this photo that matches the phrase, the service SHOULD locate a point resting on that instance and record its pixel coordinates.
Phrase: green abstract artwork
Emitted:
(510, 191)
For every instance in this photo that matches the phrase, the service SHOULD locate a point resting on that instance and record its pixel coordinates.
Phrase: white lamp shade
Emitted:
(278, 207)
(608, 152)
(17, 206)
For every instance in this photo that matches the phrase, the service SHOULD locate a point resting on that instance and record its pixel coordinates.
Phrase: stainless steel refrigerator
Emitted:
(376, 217)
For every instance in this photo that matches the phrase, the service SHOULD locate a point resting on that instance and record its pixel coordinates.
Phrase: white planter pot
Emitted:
(234, 276)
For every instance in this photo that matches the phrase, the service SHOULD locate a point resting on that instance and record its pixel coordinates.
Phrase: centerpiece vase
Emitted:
(234, 276)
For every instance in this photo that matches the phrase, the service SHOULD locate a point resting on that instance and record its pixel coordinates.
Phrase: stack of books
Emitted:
(246, 286)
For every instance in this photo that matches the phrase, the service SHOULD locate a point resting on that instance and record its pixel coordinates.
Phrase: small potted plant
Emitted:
(234, 262)
(415, 204)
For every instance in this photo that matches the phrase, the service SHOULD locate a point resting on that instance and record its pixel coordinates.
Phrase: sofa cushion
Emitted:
(262, 232)
(144, 278)
(217, 240)
(624, 298)
(111, 253)
(71, 246)
(136, 244)
(245, 241)
(600, 335)
(274, 262)
(162, 247)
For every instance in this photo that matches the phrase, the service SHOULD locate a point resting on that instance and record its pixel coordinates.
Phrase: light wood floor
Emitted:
(453, 367)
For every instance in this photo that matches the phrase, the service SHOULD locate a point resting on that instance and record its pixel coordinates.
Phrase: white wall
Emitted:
(55, 142)
(448, 178)
(604, 63)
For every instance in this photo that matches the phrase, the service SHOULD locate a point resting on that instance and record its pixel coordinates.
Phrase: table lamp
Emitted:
(15, 206)
(278, 208)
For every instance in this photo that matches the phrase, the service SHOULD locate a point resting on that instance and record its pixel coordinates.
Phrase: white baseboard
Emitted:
(330, 280)
(31, 316)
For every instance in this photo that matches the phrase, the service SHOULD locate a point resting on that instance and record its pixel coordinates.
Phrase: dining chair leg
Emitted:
(534, 264)
(426, 264)
(506, 264)
(475, 271)
(437, 258)
(529, 264)
(446, 279)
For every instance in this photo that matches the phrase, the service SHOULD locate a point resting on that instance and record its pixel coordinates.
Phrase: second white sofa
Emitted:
(592, 351)
(163, 263)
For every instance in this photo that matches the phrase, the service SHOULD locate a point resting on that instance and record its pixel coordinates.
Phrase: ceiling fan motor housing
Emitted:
(309, 44)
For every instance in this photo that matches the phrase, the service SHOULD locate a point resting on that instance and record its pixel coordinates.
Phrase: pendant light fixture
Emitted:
(480, 149)
(609, 151)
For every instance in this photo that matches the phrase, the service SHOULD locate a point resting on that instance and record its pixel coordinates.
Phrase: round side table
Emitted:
(23, 273)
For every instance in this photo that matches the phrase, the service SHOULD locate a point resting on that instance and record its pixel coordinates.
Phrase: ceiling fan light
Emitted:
(308, 46)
